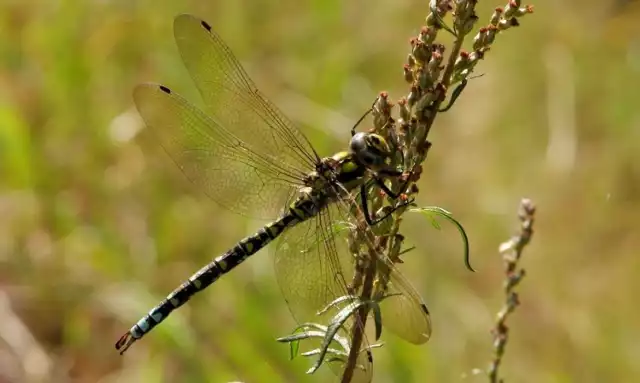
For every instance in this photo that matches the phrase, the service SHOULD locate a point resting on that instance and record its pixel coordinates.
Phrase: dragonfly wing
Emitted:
(310, 271)
(313, 267)
(211, 157)
(404, 313)
(362, 373)
(234, 100)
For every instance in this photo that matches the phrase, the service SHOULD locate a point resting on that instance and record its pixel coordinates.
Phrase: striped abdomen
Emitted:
(301, 210)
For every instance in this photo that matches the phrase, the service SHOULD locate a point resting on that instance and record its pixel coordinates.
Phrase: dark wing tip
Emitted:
(142, 92)
(187, 18)
(205, 25)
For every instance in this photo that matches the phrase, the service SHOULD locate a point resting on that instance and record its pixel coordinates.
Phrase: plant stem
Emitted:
(511, 251)
(361, 319)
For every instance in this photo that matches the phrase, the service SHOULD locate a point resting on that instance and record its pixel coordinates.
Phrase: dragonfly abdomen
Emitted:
(301, 210)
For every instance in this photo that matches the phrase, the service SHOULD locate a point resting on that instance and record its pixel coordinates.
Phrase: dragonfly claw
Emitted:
(125, 342)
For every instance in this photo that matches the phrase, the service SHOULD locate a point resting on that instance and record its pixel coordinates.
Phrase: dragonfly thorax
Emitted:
(370, 150)
(338, 172)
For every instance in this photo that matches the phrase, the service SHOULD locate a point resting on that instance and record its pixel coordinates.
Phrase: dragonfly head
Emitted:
(370, 149)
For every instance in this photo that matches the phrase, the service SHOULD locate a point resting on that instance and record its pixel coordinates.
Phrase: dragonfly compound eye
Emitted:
(370, 149)
(358, 143)
(378, 143)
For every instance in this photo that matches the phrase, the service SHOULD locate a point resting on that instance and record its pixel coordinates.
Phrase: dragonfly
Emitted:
(247, 156)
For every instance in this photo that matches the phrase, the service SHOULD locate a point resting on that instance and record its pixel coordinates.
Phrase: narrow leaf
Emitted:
(336, 302)
(336, 323)
(377, 318)
(435, 210)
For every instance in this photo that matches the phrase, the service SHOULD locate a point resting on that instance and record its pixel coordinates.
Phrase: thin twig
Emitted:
(360, 321)
(429, 74)
(511, 252)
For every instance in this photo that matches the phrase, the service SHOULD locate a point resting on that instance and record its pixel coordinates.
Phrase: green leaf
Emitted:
(336, 323)
(336, 359)
(331, 351)
(377, 318)
(454, 96)
(337, 301)
(301, 336)
(294, 347)
(431, 212)
(299, 333)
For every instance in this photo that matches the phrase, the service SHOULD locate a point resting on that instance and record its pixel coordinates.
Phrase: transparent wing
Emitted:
(213, 158)
(404, 313)
(233, 99)
(313, 268)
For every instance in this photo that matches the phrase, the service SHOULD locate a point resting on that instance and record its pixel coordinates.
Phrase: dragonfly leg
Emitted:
(365, 205)
(394, 196)
(394, 173)
(353, 129)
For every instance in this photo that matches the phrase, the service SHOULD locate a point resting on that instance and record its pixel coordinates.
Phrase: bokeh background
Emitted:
(97, 225)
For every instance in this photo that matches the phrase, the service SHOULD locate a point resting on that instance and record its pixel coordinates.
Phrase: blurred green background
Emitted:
(97, 224)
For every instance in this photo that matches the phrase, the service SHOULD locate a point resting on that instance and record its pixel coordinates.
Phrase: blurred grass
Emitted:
(97, 225)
